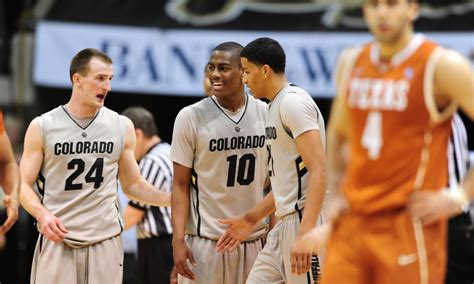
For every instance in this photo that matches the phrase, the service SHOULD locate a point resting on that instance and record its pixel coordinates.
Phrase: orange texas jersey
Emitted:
(396, 147)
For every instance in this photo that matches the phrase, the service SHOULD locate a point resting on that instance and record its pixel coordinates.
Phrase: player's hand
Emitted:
(430, 206)
(238, 230)
(51, 227)
(174, 276)
(11, 206)
(317, 238)
(181, 254)
(301, 255)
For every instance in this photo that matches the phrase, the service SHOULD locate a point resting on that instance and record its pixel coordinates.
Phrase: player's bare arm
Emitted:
(239, 228)
(337, 139)
(10, 181)
(338, 136)
(49, 225)
(180, 212)
(454, 81)
(311, 149)
(133, 184)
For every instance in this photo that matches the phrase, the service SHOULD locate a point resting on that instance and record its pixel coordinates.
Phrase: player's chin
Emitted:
(100, 100)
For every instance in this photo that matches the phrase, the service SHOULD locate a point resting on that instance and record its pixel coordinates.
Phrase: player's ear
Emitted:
(76, 79)
(139, 133)
(414, 9)
(266, 70)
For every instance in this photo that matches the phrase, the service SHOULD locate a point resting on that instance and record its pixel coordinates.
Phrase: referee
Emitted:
(154, 231)
(461, 227)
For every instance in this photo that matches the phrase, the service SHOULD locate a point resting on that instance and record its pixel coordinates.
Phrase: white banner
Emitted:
(148, 60)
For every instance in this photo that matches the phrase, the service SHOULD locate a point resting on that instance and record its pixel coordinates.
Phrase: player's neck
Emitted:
(277, 83)
(79, 109)
(232, 103)
(389, 49)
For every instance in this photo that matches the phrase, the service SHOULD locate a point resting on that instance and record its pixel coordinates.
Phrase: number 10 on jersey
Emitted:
(241, 169)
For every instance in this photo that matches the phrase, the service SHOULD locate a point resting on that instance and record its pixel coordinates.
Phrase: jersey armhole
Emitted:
(428, 82)
(287, 130)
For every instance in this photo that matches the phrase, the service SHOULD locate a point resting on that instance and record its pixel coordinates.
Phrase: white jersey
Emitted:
(228, 161)
(291, 113)
(78, 177)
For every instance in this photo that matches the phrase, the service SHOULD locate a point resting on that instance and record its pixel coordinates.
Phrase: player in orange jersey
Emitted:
(396, 96)
(9, 179)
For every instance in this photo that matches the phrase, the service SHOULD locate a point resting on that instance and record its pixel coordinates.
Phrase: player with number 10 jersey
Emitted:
(228, 160)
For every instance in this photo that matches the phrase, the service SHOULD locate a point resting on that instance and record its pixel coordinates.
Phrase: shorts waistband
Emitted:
(292, 215)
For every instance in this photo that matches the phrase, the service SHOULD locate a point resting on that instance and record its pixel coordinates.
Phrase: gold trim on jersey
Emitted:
(428, 85)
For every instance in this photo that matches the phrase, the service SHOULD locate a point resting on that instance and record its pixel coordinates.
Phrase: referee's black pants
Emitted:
(460, 250)
(155, 260)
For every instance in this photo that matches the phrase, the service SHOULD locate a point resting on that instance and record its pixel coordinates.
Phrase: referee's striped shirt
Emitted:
(458, 155)
(156, 167)
(458, 152)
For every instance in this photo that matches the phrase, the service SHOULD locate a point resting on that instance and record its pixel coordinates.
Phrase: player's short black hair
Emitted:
(142, 119)
(80, 62)
(232, 47)
(228, 46)
(265, 51)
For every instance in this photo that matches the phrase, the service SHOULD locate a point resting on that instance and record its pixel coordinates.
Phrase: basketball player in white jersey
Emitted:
(295, 140)
(9, 179)
(75, 153)
(219, 161)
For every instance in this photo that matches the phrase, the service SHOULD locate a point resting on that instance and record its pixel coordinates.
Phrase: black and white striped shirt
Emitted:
(157, 168)
(458, 154)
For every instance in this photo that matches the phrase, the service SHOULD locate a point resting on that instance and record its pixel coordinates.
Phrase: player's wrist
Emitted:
(459, 197)
(41, 213)
(177, 240)
(251, 218)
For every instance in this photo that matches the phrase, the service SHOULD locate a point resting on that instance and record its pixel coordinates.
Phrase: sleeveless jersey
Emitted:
(287, 172)
(399, 139)
(78, 177)
(228, 161)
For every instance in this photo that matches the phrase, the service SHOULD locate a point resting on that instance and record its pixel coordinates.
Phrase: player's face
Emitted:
(390, 20)
(225, 75)
(95, 85)
(253, 78)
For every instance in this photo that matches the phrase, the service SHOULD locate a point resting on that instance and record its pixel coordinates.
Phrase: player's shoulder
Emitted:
(295, 93)
(259, 103)
(107, 110)
(450, 58)
(50, 117)
(350, 53)
(200, 106)
(54, 111)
